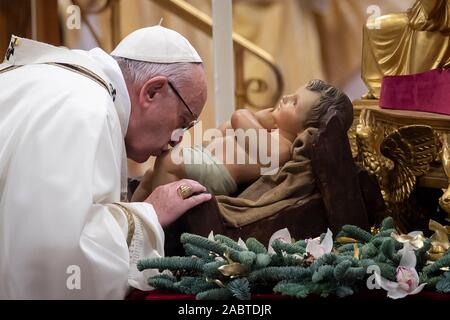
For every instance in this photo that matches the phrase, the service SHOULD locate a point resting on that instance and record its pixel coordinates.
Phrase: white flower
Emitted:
(407, 277)
(242, 244)
(414, 239)
(316, 248)
(282, 235)
(406, 248)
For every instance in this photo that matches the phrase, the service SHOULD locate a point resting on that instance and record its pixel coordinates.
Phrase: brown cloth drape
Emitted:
(272, 193)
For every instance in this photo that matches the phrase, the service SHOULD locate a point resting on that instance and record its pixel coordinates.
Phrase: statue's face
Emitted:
(293, 110)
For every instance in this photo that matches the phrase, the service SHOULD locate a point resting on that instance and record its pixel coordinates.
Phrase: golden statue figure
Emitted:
(406, 43)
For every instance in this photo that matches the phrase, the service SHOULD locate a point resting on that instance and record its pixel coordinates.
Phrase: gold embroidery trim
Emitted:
(9, 68)
(70, 67)
(81, 70)
(130, 219)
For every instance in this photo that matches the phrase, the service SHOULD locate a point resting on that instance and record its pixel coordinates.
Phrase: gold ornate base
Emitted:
(372, 125)
(444, 201)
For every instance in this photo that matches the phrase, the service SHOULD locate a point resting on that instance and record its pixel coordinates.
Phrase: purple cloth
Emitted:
(427, 92)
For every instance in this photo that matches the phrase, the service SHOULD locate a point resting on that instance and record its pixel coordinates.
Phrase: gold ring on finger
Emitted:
(185, 191)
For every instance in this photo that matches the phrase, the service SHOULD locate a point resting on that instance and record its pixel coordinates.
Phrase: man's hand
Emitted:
(169, 205)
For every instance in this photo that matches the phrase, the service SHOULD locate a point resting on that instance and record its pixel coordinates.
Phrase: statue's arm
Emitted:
(245, 119)
(265, 118)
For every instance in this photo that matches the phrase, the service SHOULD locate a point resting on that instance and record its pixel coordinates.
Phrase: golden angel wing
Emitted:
(412, 149)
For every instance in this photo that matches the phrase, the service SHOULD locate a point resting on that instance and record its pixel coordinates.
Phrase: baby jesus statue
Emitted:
(214, 165)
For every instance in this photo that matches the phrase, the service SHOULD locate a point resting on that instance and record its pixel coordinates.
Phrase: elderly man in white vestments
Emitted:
(68, 120)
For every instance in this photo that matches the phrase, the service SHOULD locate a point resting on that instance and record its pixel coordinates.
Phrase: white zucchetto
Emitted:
(156, 44)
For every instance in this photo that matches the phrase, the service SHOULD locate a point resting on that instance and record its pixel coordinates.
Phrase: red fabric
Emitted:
(158, 295)
(363, 295)
(161, 295)
(427, 92)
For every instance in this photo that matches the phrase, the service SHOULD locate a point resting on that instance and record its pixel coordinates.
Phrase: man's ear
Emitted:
(152, 89)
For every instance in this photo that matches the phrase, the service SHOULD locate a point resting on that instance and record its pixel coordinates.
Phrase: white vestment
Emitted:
(62, 168)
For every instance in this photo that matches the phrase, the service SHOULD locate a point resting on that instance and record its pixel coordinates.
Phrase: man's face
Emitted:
(160, 112)
(179, 111)
(293, 110)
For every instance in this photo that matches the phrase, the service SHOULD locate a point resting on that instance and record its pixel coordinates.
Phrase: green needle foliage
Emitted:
(222, 269)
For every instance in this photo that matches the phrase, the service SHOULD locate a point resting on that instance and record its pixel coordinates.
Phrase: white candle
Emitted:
(223, 60)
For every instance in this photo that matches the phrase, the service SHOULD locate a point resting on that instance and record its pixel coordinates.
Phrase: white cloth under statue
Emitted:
(44, 241)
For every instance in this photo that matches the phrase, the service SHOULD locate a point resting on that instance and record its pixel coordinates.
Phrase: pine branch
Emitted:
(275, 274)
(262, 260)
(323, 289)
(280, 246)
(388, 250)
(431, 281)
(341, 269)
(171, 263)
(163, 281)
(323, 273)
(244, 257)
(387, 271)
(211, 269)
(438, 264)
(327, 258)
(255, 246)
(291, 289)
(422, 254)
(194, 285)
(215, 294)
(286, 260)
(240, 288)
(443, 285)
(387, 223)
(384, 233)
(356, 233)
(344, 291)
(346, 247)
(228, 242)
(301, 243)
(192, 250)
(203, 243)
(354, 274)
(337, 272)
(365, 263)
(368, 251)
(377, 241)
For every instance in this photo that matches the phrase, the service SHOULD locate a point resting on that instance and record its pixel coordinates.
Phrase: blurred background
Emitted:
(306, 38)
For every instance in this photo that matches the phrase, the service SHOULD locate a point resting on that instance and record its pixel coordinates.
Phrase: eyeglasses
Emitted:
(192, 123)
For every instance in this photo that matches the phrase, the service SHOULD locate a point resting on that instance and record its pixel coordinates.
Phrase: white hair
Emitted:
(137, 72)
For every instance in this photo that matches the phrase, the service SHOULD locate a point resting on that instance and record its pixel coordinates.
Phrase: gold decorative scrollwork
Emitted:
(257, 86)
(396, 156)
(245, 88)
(444, 201)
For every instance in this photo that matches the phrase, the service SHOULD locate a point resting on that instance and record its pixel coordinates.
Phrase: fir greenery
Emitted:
(222, 269)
